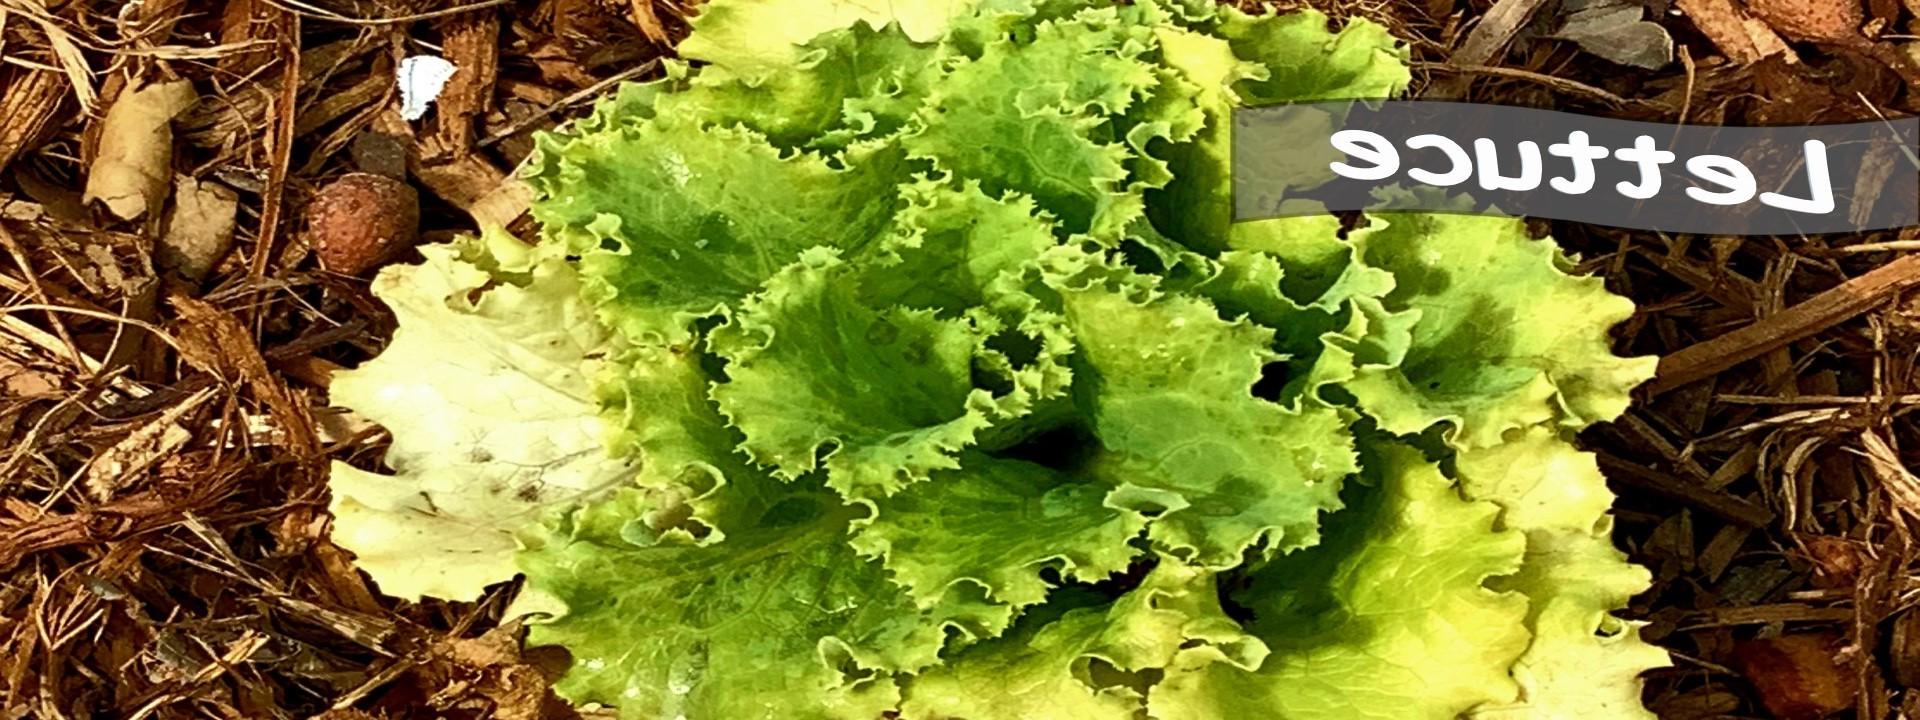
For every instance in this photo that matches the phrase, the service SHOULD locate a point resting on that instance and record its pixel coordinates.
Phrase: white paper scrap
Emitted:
(421, 79)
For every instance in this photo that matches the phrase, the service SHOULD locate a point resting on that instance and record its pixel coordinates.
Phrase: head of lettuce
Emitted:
(901, 359)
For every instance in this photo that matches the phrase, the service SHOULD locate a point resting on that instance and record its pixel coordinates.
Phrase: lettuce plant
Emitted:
(902, 360)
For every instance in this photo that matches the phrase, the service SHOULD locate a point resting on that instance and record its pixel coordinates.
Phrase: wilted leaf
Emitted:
(1613, 29)
(200, 229)
(131, 171)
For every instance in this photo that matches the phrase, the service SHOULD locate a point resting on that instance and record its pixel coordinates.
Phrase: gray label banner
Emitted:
(1313, 158)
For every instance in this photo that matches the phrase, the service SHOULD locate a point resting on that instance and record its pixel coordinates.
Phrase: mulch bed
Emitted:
(166, 340)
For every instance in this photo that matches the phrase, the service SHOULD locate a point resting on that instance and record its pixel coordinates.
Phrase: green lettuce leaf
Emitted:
(718, 211)
(997, 523)
(1388, 618)
(1242, 60)
(1324, 323)
(885, 395)
(956, 246)
(656, 397)
(1012, 120)
(960, 253)
(1153, 370)
(758, 38)
(782, 620)
(1079, 658)
(848, 84)
(1505, 337)
(1583, 661)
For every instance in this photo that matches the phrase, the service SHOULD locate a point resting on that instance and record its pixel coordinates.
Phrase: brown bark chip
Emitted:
(1819, 20)
(1799, 677)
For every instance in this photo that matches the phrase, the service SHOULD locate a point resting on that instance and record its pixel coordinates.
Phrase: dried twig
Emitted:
(1572, 87)
(1719, 503)
(1825, 310)
(1484, 43)
(280, 147)
(316, 12)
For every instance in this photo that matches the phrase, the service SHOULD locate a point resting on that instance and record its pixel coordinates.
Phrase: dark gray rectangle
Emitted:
(1464, 157)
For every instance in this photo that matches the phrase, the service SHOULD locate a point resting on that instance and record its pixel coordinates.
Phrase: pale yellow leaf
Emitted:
(131, 172)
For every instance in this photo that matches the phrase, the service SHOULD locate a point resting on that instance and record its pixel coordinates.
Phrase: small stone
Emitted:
(380, 153)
